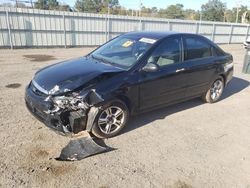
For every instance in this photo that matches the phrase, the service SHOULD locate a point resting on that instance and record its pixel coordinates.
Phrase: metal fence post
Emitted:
(9, 29)
(247, 32)
(230, 35)
(106, 27)
(200, 23)
(140, 24)
(142, 27)
(170, 26)
(197, 28)
(64, 32)
(108, 31)
(213, 33)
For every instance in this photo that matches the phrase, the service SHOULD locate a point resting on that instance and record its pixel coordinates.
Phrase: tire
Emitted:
(215, 91)
(109, 117)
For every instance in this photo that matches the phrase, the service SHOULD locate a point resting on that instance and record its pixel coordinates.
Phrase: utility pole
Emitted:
(31, 2)
(200, 21)
(140, 21)
(140, 6)
(108, 23)
(237, 15)
(238, 3)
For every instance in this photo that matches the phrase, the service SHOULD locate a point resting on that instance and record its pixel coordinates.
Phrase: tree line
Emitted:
(213, 10)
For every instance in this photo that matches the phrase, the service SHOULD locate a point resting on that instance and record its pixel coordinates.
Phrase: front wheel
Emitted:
(215, 91)
(110, 120)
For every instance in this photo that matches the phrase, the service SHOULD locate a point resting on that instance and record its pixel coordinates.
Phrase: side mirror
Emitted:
(150, 67)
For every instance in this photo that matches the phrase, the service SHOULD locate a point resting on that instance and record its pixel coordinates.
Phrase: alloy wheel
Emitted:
(111, 119)
(216, 90)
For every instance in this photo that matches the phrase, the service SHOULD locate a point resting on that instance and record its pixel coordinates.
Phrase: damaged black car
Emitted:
(132, 73)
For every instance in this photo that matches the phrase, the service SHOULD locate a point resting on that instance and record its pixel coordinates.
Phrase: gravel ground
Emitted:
(187, 145)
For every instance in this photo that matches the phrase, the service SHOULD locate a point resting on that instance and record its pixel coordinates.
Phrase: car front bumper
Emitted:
(64, 123)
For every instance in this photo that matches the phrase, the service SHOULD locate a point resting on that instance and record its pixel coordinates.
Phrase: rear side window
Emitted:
(218, 52)
(196, 48)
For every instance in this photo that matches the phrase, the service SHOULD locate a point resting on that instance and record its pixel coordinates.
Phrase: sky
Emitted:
(192, 4)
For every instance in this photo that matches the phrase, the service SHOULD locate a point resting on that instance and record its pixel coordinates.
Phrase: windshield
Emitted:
(123, 51)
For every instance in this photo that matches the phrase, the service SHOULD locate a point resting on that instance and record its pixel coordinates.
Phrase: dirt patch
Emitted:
(51, 169)
(59, 169)
(13, 85)
(40, 57)
(181, 184)
(39, 153)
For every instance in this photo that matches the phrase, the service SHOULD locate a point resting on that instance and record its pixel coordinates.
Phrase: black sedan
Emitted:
(130, 74)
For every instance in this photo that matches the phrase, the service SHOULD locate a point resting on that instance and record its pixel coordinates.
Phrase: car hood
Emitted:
(70, 75)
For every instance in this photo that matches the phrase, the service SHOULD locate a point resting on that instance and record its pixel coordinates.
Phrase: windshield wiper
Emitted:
(102, 59)
(106, 61)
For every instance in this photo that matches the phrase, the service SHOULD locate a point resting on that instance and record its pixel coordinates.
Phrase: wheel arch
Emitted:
(224, 78)
(126, 100)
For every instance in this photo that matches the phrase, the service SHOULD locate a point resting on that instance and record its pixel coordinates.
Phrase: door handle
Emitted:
(180, 70)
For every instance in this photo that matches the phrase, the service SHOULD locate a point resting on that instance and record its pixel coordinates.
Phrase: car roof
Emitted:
(151, 34)
(159, 34)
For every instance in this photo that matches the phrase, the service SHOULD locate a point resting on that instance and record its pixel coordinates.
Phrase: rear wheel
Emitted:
(215, 91)
(110, 120)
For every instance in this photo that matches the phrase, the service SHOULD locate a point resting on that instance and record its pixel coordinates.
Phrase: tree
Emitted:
(65, 8)
(241, 10)
(114, 7)
(172, 12)
(145, 11)
(20, 5)
(47, 4)
(96, 6)
(110, 3)
(230, 15)
(41, 4)
(53, 4)
(88, 5)
(190, 14)
(213, 10)
(6, 5)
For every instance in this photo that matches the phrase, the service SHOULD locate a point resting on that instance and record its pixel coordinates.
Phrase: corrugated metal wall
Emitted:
(21, 28)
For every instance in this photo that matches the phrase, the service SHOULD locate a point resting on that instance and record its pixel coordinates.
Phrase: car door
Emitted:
(198, 55)
(168, 83)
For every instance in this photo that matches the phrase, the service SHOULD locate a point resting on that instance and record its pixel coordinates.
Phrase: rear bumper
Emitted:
(229, 75)
(64, 124)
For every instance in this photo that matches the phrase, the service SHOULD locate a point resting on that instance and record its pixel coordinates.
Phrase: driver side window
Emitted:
(167, 53)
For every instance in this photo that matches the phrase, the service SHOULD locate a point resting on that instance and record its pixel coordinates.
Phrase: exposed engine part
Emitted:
(77, 121)
(74, 112)
(73, 102)
(54, 90)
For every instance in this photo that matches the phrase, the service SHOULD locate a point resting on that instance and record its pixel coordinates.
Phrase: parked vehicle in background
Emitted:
(246, 44)
(131, 74)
